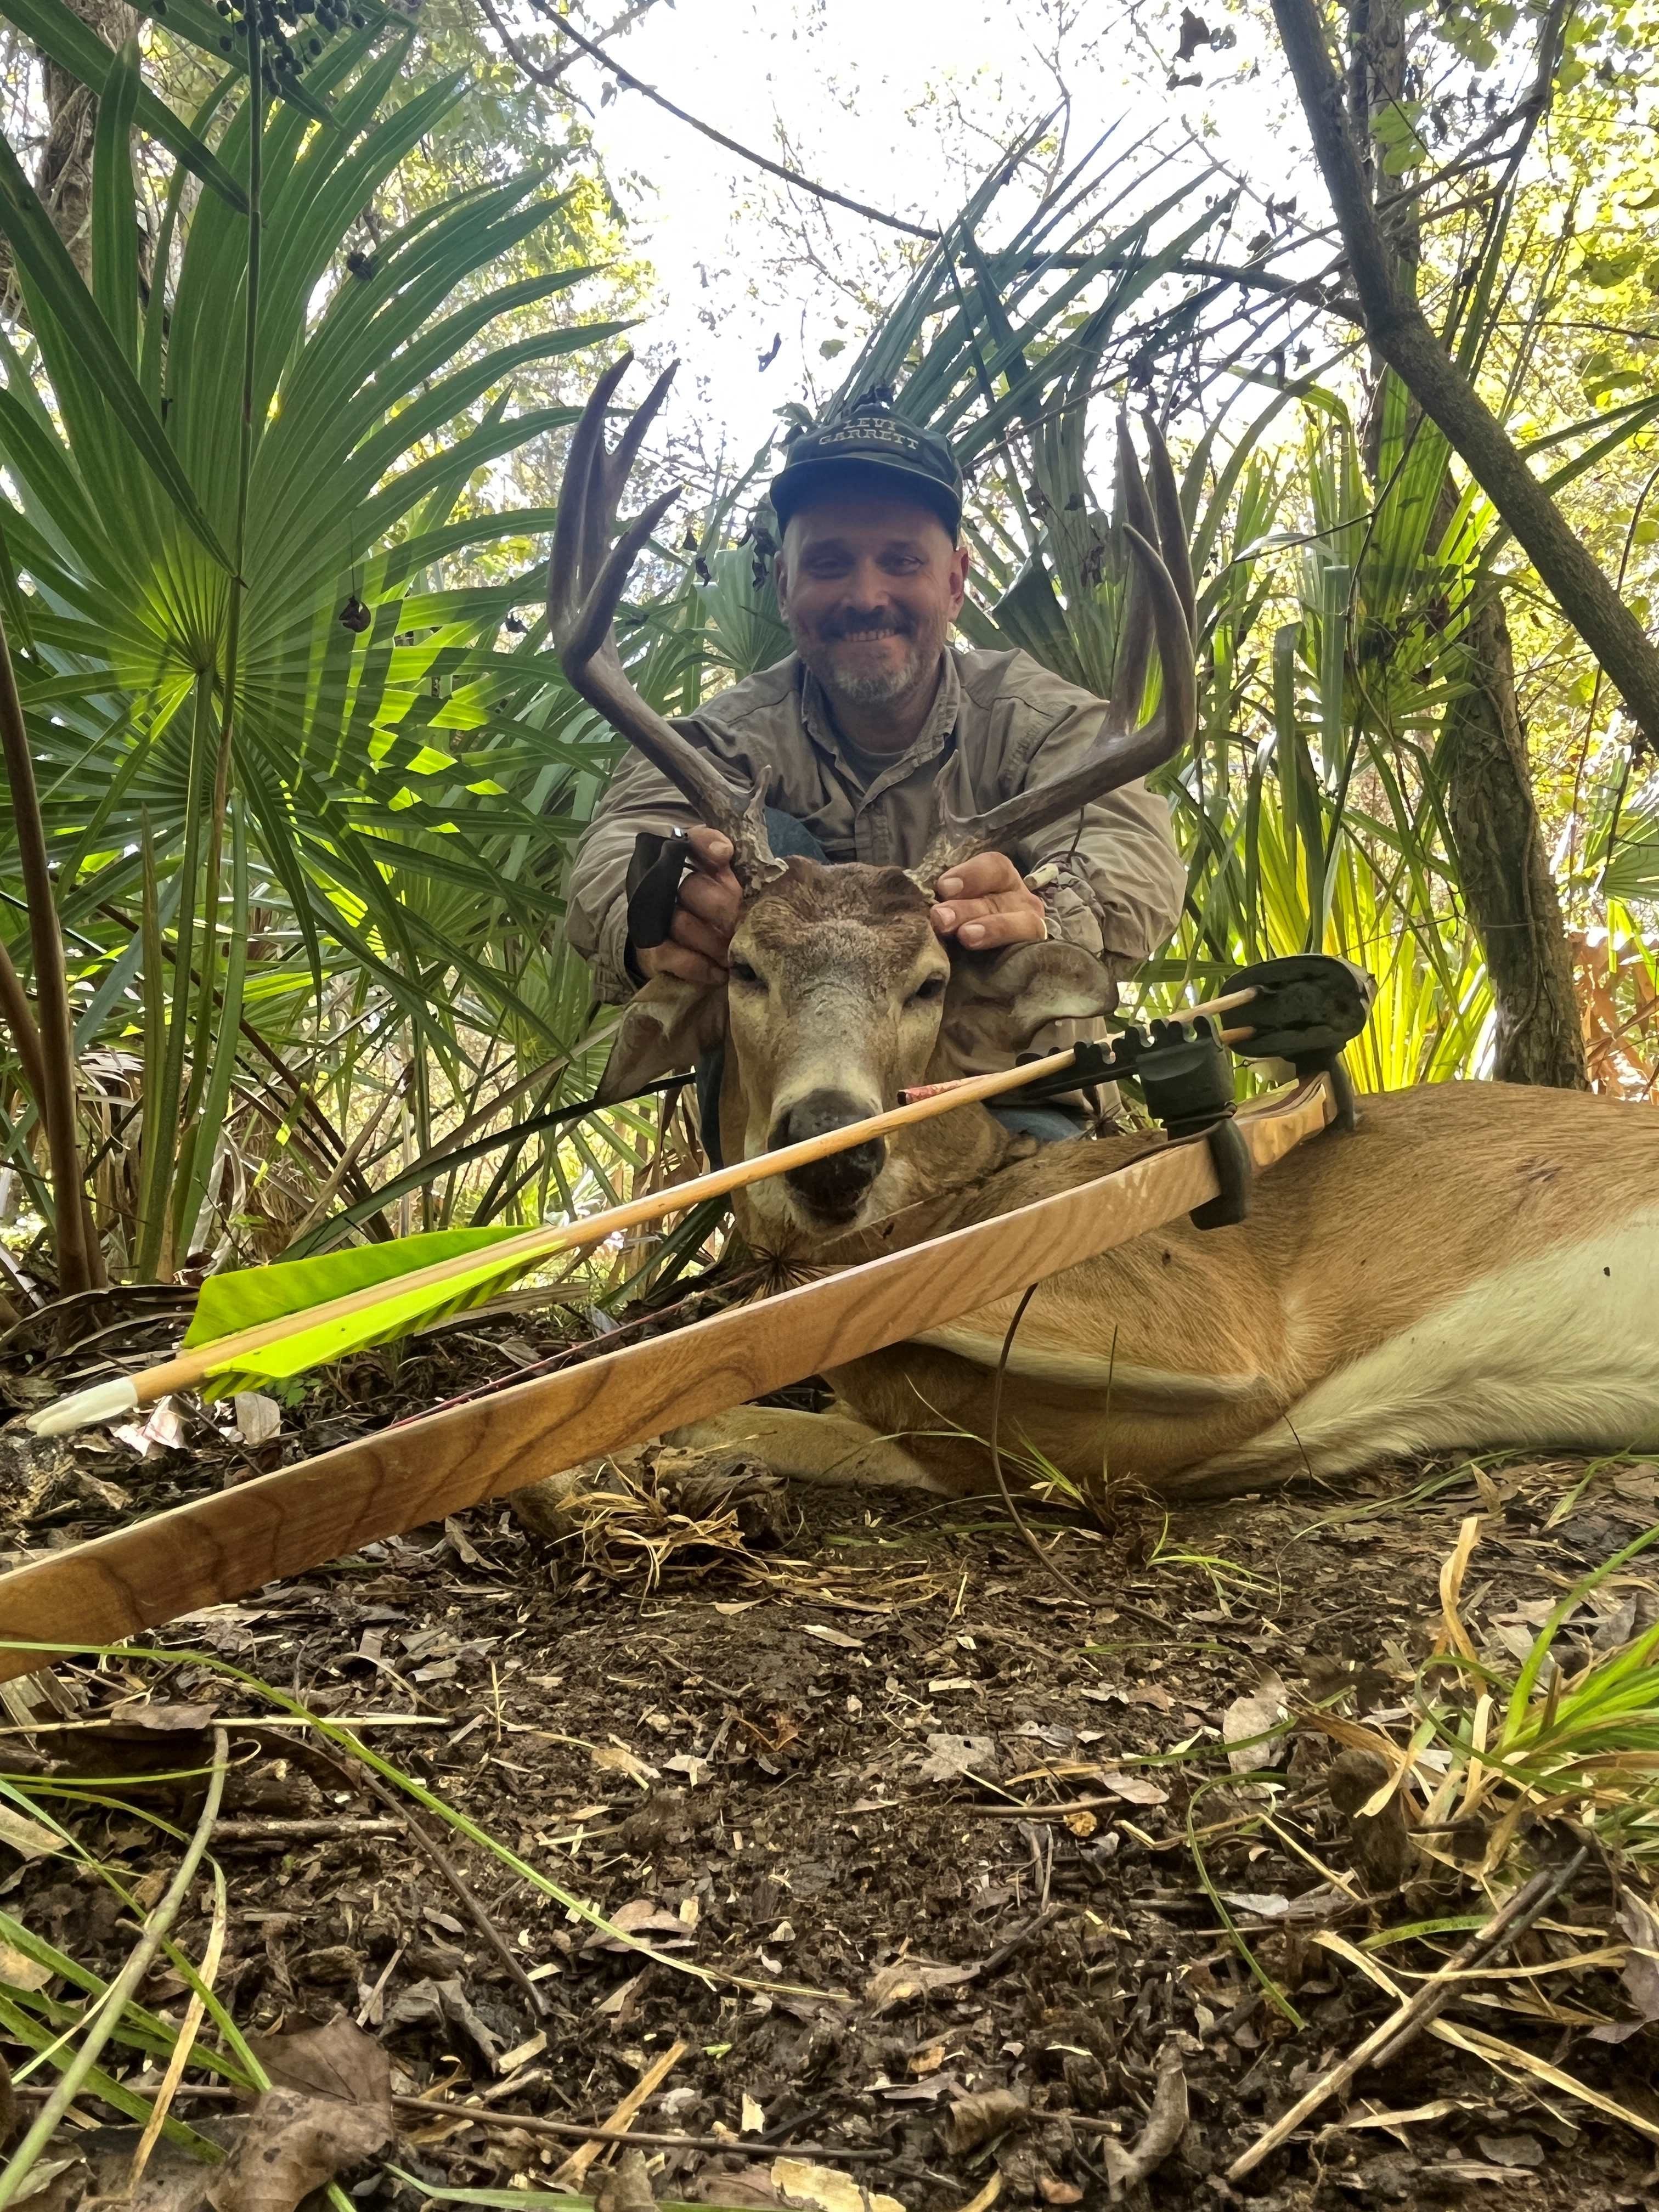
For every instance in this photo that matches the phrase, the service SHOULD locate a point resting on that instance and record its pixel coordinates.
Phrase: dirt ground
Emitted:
(865, 1781)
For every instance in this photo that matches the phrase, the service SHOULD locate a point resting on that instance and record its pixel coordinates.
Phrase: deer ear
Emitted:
(1004, 998)
(666, 1029)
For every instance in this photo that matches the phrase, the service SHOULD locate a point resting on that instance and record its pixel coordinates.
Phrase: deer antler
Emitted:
(585, 580)
(1161, 611)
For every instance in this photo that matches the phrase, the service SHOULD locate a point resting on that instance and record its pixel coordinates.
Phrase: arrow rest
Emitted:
(1303, 1008)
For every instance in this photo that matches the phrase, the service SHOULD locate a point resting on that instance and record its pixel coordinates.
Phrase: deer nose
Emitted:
(834, 1185)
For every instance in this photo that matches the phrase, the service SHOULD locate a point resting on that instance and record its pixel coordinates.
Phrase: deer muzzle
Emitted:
(834, 1187)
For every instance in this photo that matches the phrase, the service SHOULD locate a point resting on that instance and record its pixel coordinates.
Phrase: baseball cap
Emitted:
(872, 443)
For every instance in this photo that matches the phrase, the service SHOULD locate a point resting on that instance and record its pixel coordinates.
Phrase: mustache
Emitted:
(863, 626)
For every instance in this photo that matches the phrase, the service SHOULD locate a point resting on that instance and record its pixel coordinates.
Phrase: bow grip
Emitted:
(659, 862)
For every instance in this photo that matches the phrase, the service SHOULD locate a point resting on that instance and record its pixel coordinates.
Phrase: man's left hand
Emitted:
(986, 903)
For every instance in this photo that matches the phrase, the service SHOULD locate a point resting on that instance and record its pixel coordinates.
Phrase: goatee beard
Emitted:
(880, 687)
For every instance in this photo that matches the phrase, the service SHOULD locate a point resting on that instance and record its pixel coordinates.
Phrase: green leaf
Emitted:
(114, 224)
(52, 276)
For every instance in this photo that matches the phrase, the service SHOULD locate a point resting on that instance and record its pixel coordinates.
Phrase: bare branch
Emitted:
(1401, 333)
(631, 83)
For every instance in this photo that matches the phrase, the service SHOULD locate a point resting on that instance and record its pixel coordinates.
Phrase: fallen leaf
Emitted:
(297, 2142)
(752, 2119)
(617, 1759)
(439, 2005)
(911, 1977)
(27, 1838)
(833, 1636)
(1054, 2191)
(467, 1552)
(328, 2111)
(258, 1419)
(822, 2189)
(1640, 1977)
(19, 1972)
(950, 1756)
(974, 2120)
(1133, 1788)
(1510, 2150)
(1253, 1716)
(639, 1917)
(624, 2187)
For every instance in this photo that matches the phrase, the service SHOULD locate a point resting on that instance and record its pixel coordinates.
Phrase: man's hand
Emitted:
(985, 903)
(705, 915)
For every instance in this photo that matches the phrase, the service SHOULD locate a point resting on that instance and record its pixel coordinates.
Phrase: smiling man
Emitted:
(848, 735)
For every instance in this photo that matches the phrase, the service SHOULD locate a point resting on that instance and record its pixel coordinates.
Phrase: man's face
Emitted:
(870, 585)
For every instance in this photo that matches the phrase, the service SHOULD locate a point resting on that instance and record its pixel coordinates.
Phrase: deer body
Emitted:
(1477, 1266)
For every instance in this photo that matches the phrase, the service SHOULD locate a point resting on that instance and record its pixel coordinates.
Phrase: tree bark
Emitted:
(1498, 843)
(63, 175)
(1400, 331)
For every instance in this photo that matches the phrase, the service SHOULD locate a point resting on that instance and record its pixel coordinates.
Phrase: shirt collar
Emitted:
(818, 721)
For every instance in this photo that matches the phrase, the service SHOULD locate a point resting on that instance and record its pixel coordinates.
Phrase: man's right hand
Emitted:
(696, 948)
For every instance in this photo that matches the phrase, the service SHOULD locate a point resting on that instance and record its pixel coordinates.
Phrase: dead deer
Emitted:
(1476, 1266)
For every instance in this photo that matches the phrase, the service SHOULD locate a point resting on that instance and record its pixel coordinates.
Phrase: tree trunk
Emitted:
(1498, 842)
(1400, 331)
(63, 175)
(1508, 888)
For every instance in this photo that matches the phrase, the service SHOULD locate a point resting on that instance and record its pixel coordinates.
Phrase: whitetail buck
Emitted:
(1477, 1266)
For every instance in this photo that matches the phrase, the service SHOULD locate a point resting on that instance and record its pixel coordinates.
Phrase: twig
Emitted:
(1042, 1812)
(106, 2016)
(994, 1961)
(453, 1874)
(303, 1832)
(631, 83)
(616, 2127)
(1062, 1581)
(1513, 1917)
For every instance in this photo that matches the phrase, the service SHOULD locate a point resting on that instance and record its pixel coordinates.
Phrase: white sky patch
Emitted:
(901, 106)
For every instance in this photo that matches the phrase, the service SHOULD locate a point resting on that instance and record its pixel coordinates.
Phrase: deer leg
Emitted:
(828, 1447)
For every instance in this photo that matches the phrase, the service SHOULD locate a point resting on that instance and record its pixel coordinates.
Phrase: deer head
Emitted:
(840, 994)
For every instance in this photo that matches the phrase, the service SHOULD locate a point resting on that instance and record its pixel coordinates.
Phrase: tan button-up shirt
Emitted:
(1110, 876)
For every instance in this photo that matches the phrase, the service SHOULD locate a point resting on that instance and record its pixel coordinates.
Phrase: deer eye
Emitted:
(932, 988)
(742, 972)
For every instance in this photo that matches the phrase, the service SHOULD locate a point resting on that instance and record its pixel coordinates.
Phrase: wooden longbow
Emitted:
(224, 1545)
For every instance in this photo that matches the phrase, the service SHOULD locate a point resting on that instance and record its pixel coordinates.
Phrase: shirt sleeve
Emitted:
(1111, 876)
(637, 797)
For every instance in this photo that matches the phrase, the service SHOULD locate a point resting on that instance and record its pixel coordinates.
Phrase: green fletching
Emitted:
(251, 1296)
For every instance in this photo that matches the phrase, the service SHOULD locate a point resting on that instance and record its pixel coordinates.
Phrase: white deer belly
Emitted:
(1559, 1350)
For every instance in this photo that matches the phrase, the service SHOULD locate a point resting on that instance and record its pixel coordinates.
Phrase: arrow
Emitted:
(189, 1369)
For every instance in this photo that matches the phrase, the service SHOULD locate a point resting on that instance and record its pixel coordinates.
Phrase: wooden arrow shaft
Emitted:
(189, 1369)
(223, 1546)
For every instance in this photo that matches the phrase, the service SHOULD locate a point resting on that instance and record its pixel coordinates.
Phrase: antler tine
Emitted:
(1135, 635)
(1171, 541)
(565, 583)
(1121, 756)
(586, 578)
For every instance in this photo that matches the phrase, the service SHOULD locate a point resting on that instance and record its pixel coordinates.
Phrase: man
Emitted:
(848, 734)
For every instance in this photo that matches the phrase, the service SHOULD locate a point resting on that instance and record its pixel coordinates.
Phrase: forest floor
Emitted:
(947, 1880)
